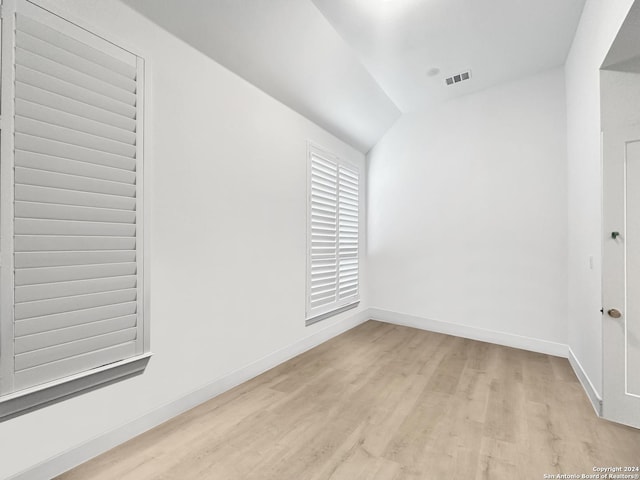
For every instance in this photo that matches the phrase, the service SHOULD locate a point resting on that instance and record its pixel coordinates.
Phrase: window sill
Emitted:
(323, 316)
(30, 399)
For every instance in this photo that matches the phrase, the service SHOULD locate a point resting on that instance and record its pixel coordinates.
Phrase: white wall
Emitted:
(620, 97)
(228, 238)
(467, 211)
(600, 22)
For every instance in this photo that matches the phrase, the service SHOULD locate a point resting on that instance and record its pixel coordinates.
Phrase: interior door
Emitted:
(621, 275)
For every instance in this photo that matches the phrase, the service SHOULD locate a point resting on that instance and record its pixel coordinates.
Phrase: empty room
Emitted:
(319, 239)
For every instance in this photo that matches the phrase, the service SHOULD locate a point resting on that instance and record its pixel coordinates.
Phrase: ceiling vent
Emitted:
(458, 77)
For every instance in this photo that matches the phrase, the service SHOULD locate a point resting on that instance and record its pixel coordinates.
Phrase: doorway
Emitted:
(620, 120)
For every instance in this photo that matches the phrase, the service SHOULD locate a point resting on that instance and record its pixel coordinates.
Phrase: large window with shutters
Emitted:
(72, 283)
(333, 235)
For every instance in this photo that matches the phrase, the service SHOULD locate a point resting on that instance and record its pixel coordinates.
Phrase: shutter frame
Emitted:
(7, 360)
(111, 138)
(333, 235)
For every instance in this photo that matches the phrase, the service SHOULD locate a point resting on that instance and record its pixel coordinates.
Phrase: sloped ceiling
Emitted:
(399, 41)
(290, 51)
(352, 66)
(623, 55)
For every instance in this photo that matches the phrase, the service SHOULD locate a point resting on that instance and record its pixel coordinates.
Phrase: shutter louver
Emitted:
(324, 232)
(77, 229)
(334, 210)
(347, 233)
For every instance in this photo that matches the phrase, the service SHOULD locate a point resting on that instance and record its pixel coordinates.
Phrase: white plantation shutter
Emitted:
(76, 269)
(333, 276)
(348, 208)
(324, 233)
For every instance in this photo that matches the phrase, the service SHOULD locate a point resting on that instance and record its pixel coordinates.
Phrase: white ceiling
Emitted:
(624, 55)
(290, 51)
(499, 40)
(352, 65)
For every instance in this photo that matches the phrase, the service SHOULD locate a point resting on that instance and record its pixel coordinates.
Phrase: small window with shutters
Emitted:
(333, 235)
(72, 276)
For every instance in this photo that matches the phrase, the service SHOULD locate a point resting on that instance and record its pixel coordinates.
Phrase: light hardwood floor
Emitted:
(384, 402)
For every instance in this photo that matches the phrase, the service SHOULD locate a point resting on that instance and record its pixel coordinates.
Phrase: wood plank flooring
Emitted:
(384, 402)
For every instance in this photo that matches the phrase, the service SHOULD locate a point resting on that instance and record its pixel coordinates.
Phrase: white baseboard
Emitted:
(94, 447)
(474, 333)
(592, 393)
